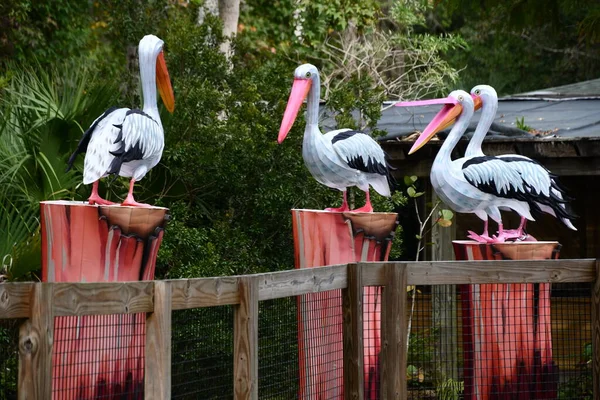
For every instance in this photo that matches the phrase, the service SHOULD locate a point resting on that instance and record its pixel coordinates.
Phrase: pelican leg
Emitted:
(344, 206)
(95, 197)
(484, 237)
(519, 234)
(129, 201)
(367, 207)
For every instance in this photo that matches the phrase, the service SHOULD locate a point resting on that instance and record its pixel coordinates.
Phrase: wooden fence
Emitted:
(39, 303)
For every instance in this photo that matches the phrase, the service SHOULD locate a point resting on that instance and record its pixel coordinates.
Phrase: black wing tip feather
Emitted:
(85, 139)
(122, 156)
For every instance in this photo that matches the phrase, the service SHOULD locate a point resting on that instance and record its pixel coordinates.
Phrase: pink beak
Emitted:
(299, 92)
(445, 117)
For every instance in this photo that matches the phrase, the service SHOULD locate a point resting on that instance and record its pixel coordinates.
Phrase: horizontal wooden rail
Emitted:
(134, 297)
(472, 272)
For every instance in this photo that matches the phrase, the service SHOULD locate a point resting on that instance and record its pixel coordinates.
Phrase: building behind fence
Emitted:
(238, 337)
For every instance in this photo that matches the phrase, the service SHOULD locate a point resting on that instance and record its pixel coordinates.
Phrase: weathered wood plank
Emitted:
(157, 377)
(373, 274)
(35, 346)
(596, 332)
(14, 299)
(394, 327)
(301, 281)
(352, 334)
(103, 298)
(245, 341)
(204, 292)
(535, 271)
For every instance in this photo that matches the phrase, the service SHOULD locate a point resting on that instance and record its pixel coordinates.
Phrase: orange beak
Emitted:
(443, 119)
(478, 104)
(299, 92)
(164, 83)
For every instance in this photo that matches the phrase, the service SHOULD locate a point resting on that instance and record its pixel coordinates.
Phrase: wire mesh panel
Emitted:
(98, 356)
(278, 371)
(372, 340)
(572, 340)
(320, 345)
(202, 353)
(512, 341)
(9, 358)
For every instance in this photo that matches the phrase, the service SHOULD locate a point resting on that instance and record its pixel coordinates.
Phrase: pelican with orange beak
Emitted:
(341, 158)
(129, 142)
(482, 184)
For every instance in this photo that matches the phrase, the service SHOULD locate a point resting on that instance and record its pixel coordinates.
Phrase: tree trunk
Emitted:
(229, 11)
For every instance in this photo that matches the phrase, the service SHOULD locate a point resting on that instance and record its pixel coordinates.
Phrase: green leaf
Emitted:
(409, 180)
(419, 237)
(411, 192)
(447, 214)
(419, 194)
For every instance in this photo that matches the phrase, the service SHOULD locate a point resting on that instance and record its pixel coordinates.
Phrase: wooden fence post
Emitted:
(394, 346)
(596, 332)
(157, 370)
(35, 346)
(352, 312)
(245, 341)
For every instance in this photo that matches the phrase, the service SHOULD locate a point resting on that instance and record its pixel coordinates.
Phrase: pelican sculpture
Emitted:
(129, 142)
(482, 184)
(341, 158)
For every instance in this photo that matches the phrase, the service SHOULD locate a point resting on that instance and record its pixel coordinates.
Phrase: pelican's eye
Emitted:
(478, 92)
(460, 97)
(308, 74)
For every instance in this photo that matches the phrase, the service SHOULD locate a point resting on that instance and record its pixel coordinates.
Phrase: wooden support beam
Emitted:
(35, 346)
(14, 299)
(157, 365)
(245, 341)
(394, 327)
(596, 333)
(352, 334)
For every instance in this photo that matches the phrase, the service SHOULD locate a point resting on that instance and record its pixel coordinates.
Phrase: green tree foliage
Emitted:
(42, 113)
(518, 45)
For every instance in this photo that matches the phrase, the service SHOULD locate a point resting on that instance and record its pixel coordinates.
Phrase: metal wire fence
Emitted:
(202, 353)
(9, 358)
(320, 347)
(507, 341)
(99, 356)
(372, 340)
(278, 371)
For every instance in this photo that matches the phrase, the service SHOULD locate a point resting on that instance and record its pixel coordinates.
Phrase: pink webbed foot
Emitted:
(129, 201)
(367, 208)
(95, 199)
(479, 238)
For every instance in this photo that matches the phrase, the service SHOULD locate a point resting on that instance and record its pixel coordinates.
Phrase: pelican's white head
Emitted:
(153, 71)
(484, 94)
(304, 76)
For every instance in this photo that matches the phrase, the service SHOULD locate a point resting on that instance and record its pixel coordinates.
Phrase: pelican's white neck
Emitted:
(455, 134)
(312, 102)
(488, 113)
(149, 48)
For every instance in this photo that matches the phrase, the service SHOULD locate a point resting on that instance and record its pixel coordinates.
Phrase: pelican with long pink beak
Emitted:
(482, 184)
(339, 159)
